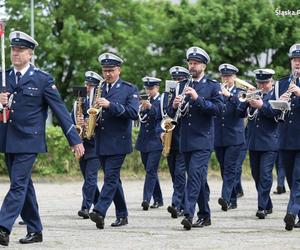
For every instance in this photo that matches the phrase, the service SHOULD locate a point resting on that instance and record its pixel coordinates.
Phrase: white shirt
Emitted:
(22, 71)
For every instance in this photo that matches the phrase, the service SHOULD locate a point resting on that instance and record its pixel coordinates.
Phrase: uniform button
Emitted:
(257, 126)
(190, 115)
(147, 131)
(102, 128)
(190, 124)
(292, 113)
(223, 111)
(10, 121)
(103, 111)
(223, 118)
(14, 101)
(190, 106)
(12, 111)
(290, 121)
(35, 132)
(15, 93)
(223, 125)
(258, 119)
(293, 104)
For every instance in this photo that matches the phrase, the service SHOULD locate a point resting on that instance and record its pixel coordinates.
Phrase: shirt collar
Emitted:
(154, 98)
(22, 71)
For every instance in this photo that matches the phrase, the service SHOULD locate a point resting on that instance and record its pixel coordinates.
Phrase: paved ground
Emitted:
(154, 229)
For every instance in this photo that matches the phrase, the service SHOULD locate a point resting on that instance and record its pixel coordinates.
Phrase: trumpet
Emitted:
(239, 83)
(246, 97)
(142, 117)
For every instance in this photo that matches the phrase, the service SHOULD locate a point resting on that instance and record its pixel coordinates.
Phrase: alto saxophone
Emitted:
(93, 113)
(167, 125)
(79, 113)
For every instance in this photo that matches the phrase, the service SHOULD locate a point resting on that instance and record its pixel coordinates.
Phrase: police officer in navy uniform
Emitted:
(200, 102)
(28, 94)
(175, 158)
(229, 136)
(89, 163)
(149, 142)
(289, 138)
(262, 139)
(119, 106)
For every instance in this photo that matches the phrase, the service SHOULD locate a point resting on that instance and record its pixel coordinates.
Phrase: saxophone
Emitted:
(168, 126)
(79, 113)
(93, 113)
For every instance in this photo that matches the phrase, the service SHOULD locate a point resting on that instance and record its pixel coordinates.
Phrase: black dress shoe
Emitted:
(187, 223)
(173, 211)
(32, 238)
(84, 213)
(98, 219)
(232, 206)
(240, 194)
(22, 223)
(289, 220)
(280, 190)
(145, 205)
(297, 225)
(202, 222)
(261, 214)
(4, 237)
(269, 211)
(156, 204)
(120, 222)
(223, 203)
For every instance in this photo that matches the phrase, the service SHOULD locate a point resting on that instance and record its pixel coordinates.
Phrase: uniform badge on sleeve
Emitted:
(53, 86)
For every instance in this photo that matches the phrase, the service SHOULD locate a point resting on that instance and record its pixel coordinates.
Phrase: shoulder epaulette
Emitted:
(40, 71)
(128, 83)
(283, 78)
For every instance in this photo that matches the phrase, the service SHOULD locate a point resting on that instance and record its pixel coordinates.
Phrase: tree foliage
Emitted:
(152, 36)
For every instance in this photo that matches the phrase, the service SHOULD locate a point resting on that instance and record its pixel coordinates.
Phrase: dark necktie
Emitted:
(18, 77)
(108, 87)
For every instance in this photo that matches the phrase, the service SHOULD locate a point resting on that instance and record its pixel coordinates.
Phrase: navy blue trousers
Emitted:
(177, 170)
(197, 164)
(239, 169)
(90, 191)
(280, 171)
(21, 198)
(151, 185)
(227, 158)
(112, 190)
(262, 163)
(291, 163)
(203, 199)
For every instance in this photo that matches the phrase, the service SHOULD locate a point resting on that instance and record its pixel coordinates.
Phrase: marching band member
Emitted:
(289, 138)
(119, 106)
(149, 143)
(30, 92)
(89, 163)
(262, 139)
(175, 158)
(229, 137)
(199, 102)
(280, 189)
